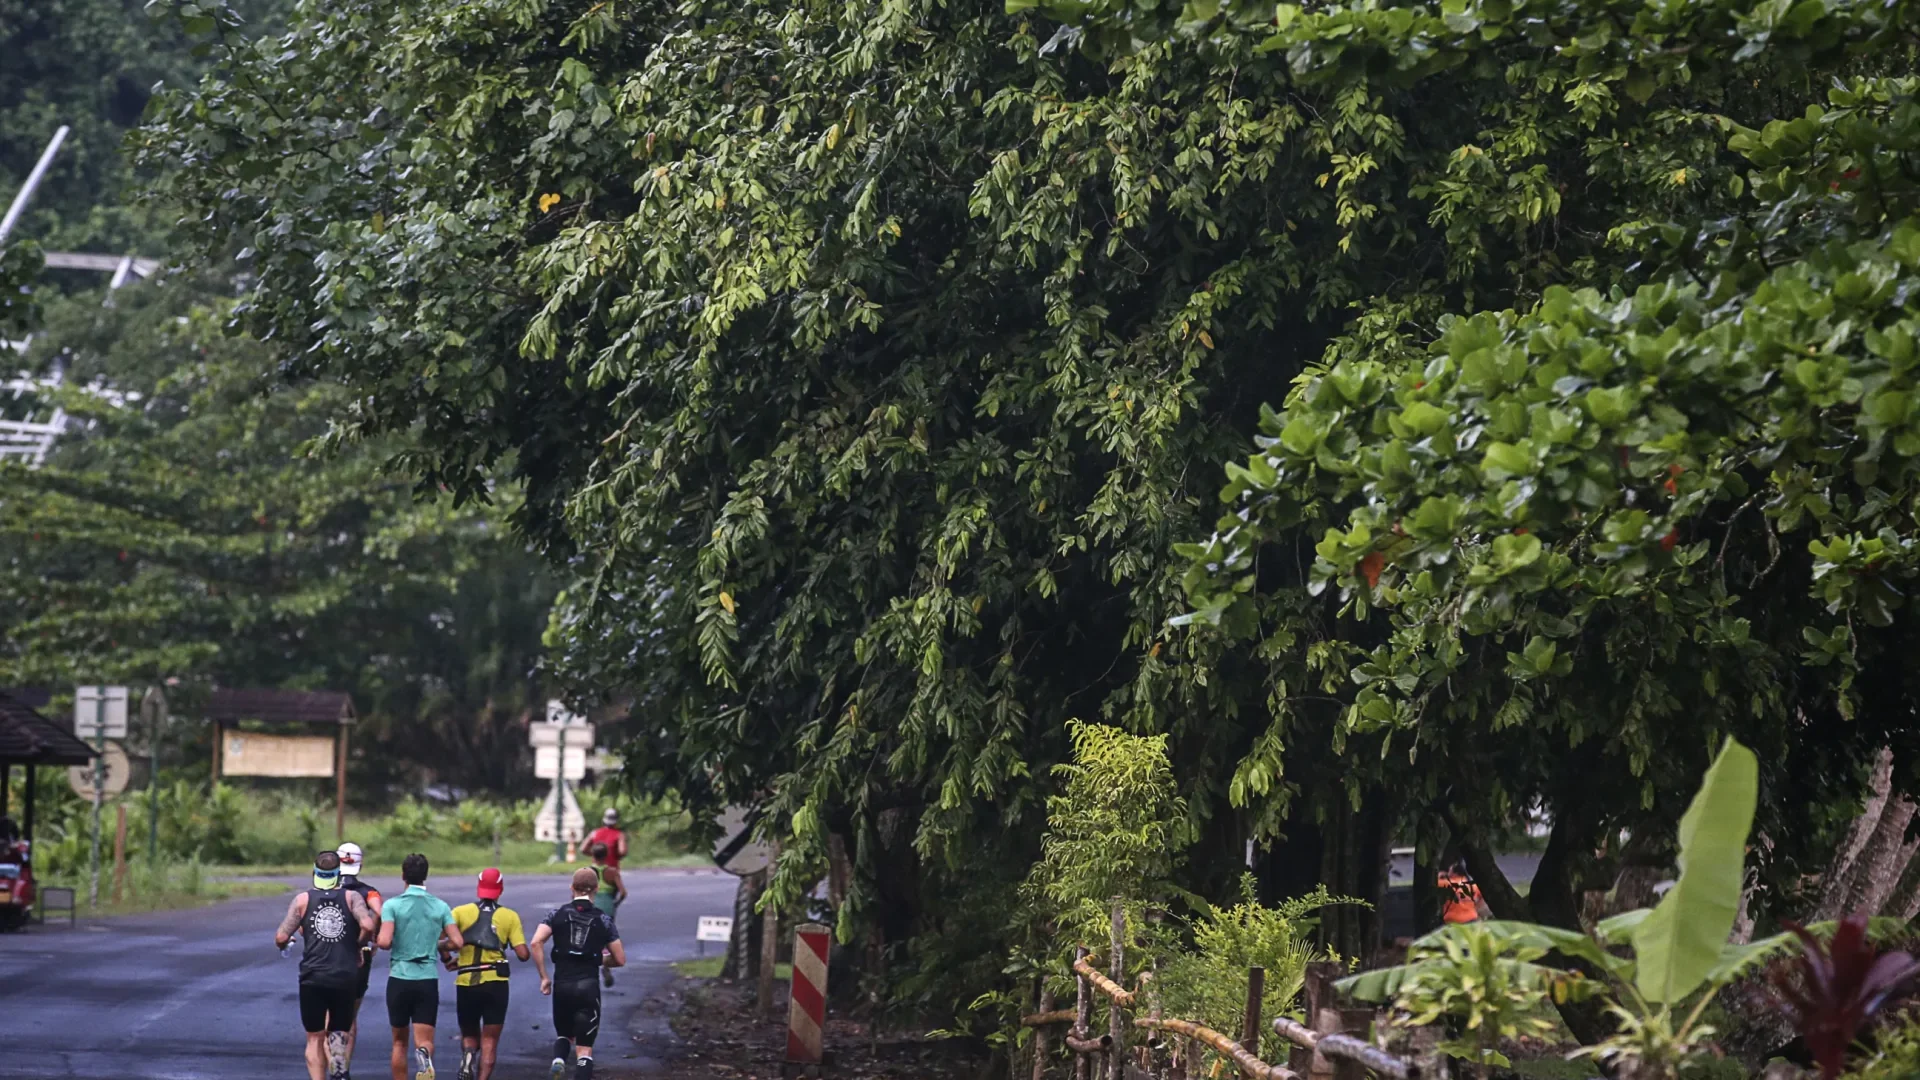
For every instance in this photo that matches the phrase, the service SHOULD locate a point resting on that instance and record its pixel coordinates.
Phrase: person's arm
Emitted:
(619, 885)
(450, 932)
(540, 937)
(620, 843)
(616, 954)
(362, 914)
(385, 940)
(517, 937)
(296, 910)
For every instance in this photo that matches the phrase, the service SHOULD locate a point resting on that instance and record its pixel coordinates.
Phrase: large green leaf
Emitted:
(1680, 943)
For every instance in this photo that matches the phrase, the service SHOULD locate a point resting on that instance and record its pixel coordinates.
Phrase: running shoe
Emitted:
(469, 1062)
(422, 1064)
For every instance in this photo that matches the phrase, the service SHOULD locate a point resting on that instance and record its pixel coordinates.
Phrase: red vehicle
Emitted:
(16, 878)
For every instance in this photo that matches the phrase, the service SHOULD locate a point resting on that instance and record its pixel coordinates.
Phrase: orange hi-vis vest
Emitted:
(1462, 898)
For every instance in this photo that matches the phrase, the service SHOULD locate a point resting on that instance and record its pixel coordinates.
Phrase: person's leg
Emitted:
(340, 1018)
(489, 1050)
(466, 1010)
(398, 1010)
(316, 1055)
(423, 1052)
(313, 1019)
(426, 1013)
(562, 1030)
(586, 1032)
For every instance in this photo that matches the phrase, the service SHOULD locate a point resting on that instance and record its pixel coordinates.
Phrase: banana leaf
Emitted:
(1679, 944)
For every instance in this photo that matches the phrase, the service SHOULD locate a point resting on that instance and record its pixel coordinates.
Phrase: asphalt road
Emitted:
(204, 994)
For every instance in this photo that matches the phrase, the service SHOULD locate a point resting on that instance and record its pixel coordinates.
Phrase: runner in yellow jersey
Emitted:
(480, 988)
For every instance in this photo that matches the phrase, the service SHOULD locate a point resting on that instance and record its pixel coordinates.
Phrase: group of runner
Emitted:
(342, 919)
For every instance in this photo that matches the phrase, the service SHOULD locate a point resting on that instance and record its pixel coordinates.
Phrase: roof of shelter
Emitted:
(280, 706)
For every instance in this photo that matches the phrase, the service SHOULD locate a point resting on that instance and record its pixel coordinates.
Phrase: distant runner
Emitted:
(609, 834)
(352, 862)
(332, 921)
(412, 925)
(609, 894)
(480, 988)
(580, 933)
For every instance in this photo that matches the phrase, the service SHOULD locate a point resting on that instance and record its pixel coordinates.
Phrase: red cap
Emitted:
(490, 884)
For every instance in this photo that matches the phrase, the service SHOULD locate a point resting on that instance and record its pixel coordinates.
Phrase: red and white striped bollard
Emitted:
(807, 1012)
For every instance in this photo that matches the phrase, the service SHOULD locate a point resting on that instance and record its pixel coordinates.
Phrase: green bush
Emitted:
(1208, 982)
(1897, 1057)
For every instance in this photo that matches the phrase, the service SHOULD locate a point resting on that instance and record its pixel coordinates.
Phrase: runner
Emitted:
(609, 834)
(412, 925)
(610, 894)
(352, 861)
(580, 933)
(330, 952)
(480, 988)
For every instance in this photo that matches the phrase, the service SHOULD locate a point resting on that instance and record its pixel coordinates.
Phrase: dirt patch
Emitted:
(711, 1033)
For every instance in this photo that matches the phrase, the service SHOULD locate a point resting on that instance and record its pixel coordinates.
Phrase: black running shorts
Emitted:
(576, 1010)
(484, 1004)
(326, 1008)
(412, 1001)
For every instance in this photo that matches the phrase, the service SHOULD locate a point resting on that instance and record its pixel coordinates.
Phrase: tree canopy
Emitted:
(864, 367)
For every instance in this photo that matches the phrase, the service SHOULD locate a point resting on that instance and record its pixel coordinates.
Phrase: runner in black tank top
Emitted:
(331, 921)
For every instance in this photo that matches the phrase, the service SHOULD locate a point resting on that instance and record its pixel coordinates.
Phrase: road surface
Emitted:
(203, 993)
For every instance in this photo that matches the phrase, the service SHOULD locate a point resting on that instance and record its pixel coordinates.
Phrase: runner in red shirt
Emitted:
(609, 834)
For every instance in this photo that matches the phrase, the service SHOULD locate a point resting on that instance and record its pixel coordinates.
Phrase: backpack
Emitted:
(577, 941)
(484, 936)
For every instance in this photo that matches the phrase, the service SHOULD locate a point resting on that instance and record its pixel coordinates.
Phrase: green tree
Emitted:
(185, 528)
(864, 365)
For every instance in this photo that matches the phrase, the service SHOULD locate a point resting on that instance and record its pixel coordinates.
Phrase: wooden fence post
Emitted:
(1250, 1023)
(1116, 1015)
(1043, 1004)
(1083, 1016)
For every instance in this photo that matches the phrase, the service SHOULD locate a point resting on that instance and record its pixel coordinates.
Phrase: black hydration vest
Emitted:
(331, 954)
(579, 935)
(484, 935)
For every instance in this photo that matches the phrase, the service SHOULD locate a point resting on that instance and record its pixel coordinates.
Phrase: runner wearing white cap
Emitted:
(352, 861)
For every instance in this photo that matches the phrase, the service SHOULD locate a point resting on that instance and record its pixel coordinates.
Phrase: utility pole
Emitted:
(39, 173)
(560, 800)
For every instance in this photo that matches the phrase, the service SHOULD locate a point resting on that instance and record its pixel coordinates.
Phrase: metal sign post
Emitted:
(153, 708)
(109, 716)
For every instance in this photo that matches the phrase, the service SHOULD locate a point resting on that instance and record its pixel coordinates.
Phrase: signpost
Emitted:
(99, 712)
(560, 748)
(713, 928)
(153, 709)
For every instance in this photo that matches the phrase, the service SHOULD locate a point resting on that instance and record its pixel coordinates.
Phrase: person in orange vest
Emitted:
(1460, 897)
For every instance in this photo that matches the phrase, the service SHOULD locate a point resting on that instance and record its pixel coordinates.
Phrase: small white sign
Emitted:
(715, 928)
(89, 715)
(547, 760)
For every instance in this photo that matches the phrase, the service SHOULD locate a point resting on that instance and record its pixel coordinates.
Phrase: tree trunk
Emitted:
(1884, 860)
(1836, 885)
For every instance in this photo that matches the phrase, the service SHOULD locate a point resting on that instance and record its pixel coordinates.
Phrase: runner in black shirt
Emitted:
(332, 921)
(581, 934)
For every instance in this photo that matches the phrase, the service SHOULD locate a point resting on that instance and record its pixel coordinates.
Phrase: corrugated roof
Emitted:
(280, 706)
(26, 737)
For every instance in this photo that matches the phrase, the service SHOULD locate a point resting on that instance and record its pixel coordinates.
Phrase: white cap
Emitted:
(611, 817)
(351, 859)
